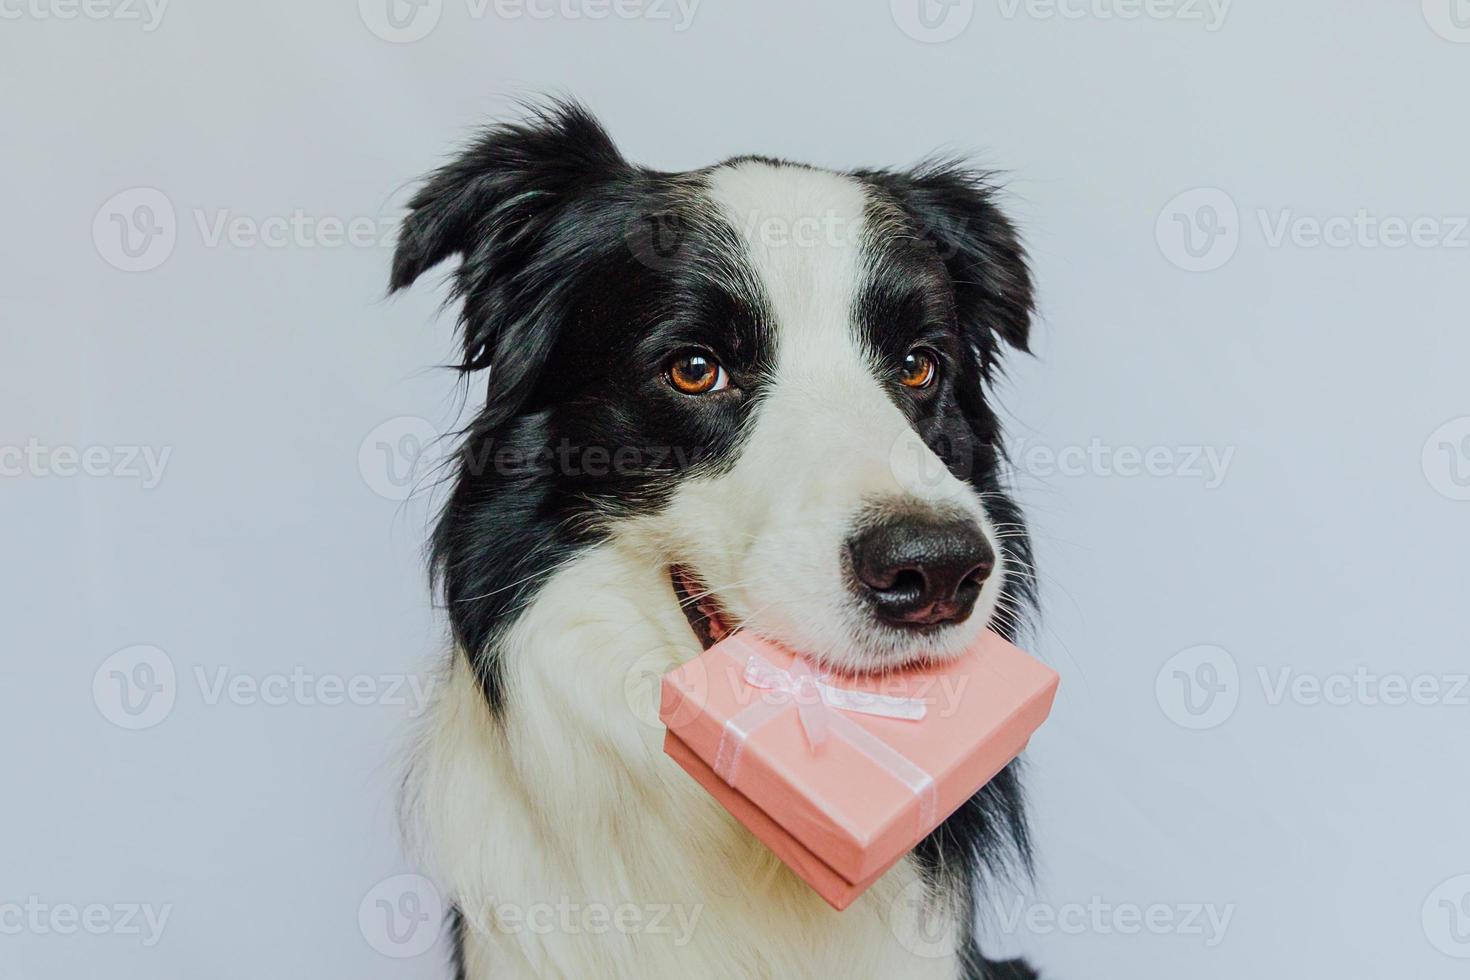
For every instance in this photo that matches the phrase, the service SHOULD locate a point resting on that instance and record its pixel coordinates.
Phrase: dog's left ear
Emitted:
(954, 210)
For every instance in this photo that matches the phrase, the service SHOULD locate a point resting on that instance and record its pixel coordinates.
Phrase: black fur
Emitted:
(958, 281)
(578, 272)
(551, 225)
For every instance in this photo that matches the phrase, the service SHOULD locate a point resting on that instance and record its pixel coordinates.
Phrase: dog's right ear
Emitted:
(518, 207)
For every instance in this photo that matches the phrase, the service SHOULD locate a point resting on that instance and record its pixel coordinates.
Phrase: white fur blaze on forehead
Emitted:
(826, 416)
(802, 230)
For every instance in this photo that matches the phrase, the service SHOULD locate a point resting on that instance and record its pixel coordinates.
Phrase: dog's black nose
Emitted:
(921, 570)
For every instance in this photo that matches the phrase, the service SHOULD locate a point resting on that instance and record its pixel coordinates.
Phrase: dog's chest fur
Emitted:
(566, 816)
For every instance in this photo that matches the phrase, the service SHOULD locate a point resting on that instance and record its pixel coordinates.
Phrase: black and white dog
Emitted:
(752, 396)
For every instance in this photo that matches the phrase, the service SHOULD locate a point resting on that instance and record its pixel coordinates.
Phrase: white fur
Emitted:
(568, 797)
(827, 439)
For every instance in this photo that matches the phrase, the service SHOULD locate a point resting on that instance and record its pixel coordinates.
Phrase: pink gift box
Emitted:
(835, 774)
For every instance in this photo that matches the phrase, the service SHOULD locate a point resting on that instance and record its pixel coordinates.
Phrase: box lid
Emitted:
(838, 800)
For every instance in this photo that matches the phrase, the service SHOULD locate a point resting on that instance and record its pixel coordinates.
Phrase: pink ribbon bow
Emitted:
(819, 706)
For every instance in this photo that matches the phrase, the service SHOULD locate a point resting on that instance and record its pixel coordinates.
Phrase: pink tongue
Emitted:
(711, 613)
(706, 606)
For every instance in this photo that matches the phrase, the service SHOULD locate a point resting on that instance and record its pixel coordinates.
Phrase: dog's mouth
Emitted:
(701, 607)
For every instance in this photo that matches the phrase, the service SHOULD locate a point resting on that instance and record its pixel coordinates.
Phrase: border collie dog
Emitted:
(753, 396)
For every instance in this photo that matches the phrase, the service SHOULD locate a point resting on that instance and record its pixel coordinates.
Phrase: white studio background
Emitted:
(1245, 447)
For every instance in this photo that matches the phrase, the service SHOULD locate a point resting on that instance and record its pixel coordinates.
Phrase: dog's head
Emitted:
(772, 377)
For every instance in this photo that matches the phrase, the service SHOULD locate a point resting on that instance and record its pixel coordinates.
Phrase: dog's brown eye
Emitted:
(694, 372)
(919, 369)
